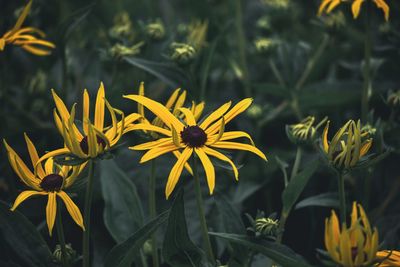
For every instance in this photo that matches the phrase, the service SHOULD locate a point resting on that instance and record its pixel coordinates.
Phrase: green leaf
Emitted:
(123, 213)
(178, 249)
(166, 72)
(23, 237)
(296, 186)
(329, 199)
(232, 223)
(279, 253)
(124, 254)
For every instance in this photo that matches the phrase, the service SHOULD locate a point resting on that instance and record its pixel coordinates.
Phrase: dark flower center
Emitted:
(193, 136)
(52, 182)
(85, 144)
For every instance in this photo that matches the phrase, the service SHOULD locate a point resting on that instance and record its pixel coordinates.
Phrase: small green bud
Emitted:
(183, 54)
(254, 111)
(304, 131)
(70, 256)
(155, 30)
(119, 50)
(393, 99)
(264, 45)
(264, 23)
(148, 247)
(122, 27)
(267, 226)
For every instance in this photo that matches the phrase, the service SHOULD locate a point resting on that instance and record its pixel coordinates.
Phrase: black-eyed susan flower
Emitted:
(95, 138)
(328, 5)
(354, 246)
(50, 180)
(348, 145)
(191, 137)
(388, 258)
(25, 37)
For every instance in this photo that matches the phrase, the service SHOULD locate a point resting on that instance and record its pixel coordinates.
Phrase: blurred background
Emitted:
(279, 52)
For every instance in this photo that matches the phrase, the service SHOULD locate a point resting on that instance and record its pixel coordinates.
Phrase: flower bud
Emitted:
(304, 131)
(393, 99)
(119, 50)
(155, 30)
(122, 27)
(69, 251)
(183, 54)
(264, 45)
(267, 226)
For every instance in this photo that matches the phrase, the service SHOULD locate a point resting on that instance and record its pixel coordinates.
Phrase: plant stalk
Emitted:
(342, 197)
(367, 86)
(153, 211)
(200, 207)
(60, 234)
(86, 218)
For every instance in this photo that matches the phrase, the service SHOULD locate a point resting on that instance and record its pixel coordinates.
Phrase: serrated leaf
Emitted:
(329, 199)
(23, 237)
(178, 250)
(123, 212)
(123, 254)
(279, 253)
(296, 186)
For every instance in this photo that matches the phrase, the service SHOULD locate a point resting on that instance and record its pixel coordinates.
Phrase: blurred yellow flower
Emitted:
(191, 137)
(388, 258)
(346, 147)
(355, 246)
(328, 5)
(50, 181)
(25, 37)
(95, 139)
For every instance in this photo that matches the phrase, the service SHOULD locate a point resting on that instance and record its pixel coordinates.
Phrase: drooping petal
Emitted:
(239, 146)
(157, 151)
(99, 109)
(73, 210)
(382, 4)
(355, 7)
(85, 110)
(220, 156)
(191, 121)
(332, 5)
(147, 127)
(51, 211)
(322, 7)
(22, 17)
(24, 196)
(176, 171)
(208, 168)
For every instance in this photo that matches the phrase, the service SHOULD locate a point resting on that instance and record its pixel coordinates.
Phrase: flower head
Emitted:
(328, 5)
(348, 145)
(183, 53)
(388, 258)
(189, 137)
(155, 30)
(95, 138)
(353, 246)
(51, 180)
(25, 37)
(303, 131)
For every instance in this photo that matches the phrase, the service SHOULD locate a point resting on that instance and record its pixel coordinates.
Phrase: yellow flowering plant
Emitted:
(388, 258)
(328, 5)
(354, 246)
(25, 37)
(51, 180)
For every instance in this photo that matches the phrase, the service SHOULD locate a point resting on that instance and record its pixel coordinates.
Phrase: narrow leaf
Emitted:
(329, 199)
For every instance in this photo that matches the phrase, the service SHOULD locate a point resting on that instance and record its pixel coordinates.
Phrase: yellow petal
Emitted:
(86, 110)
(345, 249)
(215, 115)
(99, 110)
(73, 210)
(365, 147)
(382, 4)
(22, 17)
(51, 211)
(179, 103)
(152, 144)
(322, 7)
(36, 51)
(34, 155)
(49, 166)
(175, 137)
(191, 121)
(332, 5)
(177, 154)
(157, 151)
(147, 127)
(172, 98)
(220, 156)
(325, 137)
(92, 142)
(140, 106)
(159, 110)
(61, 108)
(239, 146)
(198, 110)
(112, 132)
(176, 171)
(236, 134)
(25, 195)
(355, 7)
(208, 168)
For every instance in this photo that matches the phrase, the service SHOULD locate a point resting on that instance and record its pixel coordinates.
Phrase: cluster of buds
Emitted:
(155, 30)
(304, 131)
(182, 53)
(119, 50)
(348, 145)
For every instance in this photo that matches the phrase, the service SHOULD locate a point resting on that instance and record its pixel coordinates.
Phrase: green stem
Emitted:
(200, 207)
(342, 197)
(86, 218)
(60, 234)
(241, 38)
(153, 210)
(367, 87)
(284, 216)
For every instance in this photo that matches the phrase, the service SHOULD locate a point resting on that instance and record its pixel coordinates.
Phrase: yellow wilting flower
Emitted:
(328, 5)
(192, 138)
(346, 147)
(95, 139)
(355, 246)
(51, 180)
(25, 37)
(388, 258)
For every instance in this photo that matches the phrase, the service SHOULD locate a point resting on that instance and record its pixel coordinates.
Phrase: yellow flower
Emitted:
(95, 139)
(355, 246)
(51, 180)
(347, 147)
(193, 138)
(328, 5)
(388, 258)
(25, 37)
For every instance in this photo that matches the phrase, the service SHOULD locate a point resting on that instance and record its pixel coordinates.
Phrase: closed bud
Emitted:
(183, 54)
(155, 30)
(70, 254)
(304, 131)
(119, 50)
(267, 226)
(122, 27)
(264, 45)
